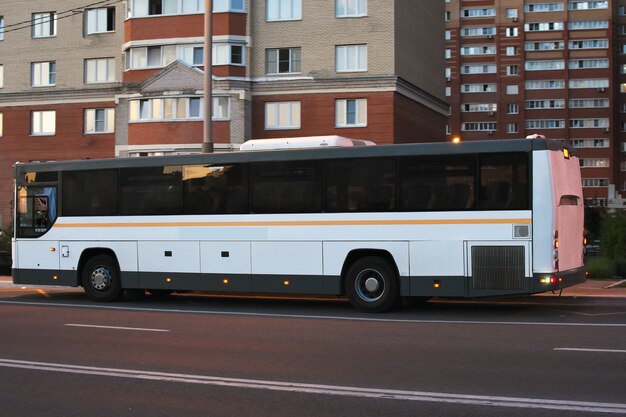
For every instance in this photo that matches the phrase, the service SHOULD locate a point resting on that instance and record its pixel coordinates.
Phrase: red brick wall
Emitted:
(69, 142)
(175, 132)
(416, 123)
(318, 117)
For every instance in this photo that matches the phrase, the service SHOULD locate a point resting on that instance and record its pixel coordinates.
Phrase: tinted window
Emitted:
(90, 193)
(216, 189)
(287, 187)
(367, 184)
(445, 183)
(151, 190)
(503, 182)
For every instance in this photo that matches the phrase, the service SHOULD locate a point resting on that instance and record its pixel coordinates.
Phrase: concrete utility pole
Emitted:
(207, 140)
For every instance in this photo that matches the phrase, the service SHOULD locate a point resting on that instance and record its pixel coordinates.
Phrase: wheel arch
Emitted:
(90, 253)
(356, 254)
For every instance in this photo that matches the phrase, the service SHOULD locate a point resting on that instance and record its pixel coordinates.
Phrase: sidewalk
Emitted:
(591, 288)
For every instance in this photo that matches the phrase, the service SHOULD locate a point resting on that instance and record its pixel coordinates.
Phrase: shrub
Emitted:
(600, 268)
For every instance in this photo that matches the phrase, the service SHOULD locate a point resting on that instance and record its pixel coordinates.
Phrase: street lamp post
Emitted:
(207, 140)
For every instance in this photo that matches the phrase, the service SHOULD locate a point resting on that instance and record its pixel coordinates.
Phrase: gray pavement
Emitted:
(590, 288)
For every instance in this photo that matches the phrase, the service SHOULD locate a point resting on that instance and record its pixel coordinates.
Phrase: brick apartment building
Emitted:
(85, 79)
(558, 68)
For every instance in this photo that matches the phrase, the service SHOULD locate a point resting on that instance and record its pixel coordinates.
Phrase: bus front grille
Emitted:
(498, 267)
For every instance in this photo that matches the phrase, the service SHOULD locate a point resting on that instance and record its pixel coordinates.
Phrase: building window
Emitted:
(1, 28)
(1, 76)
(544, 65)
(99, 70)
(600, 83)
(512, 70)
(511, 50)
(590, 143)
(479, 50)
(543, 26)
(512, 89)
(512, 108)
(479, 126)
(479, 88)
(543, 7)
(284, 10)
(545, 124)
(140, 8)
(43, 123)
(545, 84)
(478, 31)
(589, 44)
(283, 115)
(44, 24)
(221, 108)
(588, 63)
(544, 46)
(587, 24)
(588, 5)
(512, 128)
(351, 113)
(227, 54)
(588, 103)
(545, 104)
(100, 20)
(511, 13)
(282, 61)
(99, 120)
(351, 8)
(226, 6)
(1, 125)
(351, 58)
(479, 69)
(43, 74)
(588, 123)
(479, 107)
(594, 163)
(487, 12)
(511, 32)
(165, 109)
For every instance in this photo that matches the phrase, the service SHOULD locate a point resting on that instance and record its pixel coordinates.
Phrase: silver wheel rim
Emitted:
(369, 285)
(101, 278)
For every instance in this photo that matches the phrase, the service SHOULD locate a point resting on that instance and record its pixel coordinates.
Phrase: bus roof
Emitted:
(303, 143)
(435, 148)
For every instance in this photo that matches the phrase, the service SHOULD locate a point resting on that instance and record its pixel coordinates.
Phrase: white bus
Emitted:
(373, 223)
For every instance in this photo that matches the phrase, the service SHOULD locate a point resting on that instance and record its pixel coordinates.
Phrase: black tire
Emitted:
(101, 278)
(371, 285)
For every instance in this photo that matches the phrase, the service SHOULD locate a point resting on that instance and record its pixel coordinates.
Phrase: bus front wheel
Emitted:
(101, 278)
(371, 285)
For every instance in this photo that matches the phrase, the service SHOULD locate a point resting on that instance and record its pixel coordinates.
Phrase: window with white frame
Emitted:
(228, 54)
(511, 13)
(587, 24)
(43, 123)
(467, 32)
(512, 89)
(100, 20)
(282, 115)
(282, 61)
(351, 58)
(512, 128)
(1, 28)
(351, 113)
(594, 163)
(543, 7)
(478, 50)
(43, 74)
(590, 143)
(150, 56)
(545, 104)
(589, 44)
(99, 70)
(512, 108)
(479, 69)
(1, 76)
(544, 65)
(1, 125)
(588, 123)
(479, 126)
(588, 5)
(512, 70)
(99, 120)
(44, 25)
(588, 63)
(479, 88)
(350, 8)
(221, 108)
(511, 50)
(284, 10)
(511, 32)
(479, 107)
(545, 84)
(220, 6)
(589, 103)
(543, 26)
(545, 124)
(142, 8)
(192, 55)
(544, 46)
(165, 109)
(589, 83)
(486, 12)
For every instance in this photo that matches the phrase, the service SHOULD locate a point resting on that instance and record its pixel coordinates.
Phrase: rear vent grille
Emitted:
(498, 267)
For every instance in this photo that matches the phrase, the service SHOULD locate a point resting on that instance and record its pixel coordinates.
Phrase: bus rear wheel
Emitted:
(371, 285)
(101, 278)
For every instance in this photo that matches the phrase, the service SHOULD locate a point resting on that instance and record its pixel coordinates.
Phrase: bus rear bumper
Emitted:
(551, 281)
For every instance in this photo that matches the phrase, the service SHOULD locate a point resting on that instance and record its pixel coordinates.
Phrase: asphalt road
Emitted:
(193, 355)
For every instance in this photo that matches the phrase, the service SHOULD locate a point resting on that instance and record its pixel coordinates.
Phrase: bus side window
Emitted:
(41, 211)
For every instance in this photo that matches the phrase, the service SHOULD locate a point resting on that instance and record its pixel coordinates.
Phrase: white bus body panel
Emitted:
(47, 254)
(126, 253)
(437, 258)
(168, 256)
(335, 254)
(225, 258)
(287, 258)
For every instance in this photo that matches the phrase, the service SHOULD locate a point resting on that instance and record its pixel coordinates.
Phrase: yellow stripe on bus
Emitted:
(302, 223)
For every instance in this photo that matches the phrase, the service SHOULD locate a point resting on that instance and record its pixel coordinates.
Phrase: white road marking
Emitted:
(320, 389)
(138, 329)
(591, 350)
(315, 317)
